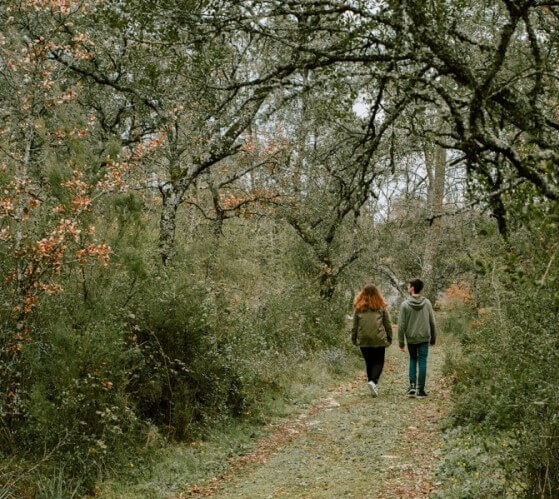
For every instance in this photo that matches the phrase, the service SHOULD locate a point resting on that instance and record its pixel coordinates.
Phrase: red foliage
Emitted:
(458, 294)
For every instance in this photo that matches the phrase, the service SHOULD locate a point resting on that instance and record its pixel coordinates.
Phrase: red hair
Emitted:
(369, 298)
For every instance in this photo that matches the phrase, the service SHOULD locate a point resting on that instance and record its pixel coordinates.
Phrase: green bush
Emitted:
(137, 353)
(73, 405)
(504, 385)
(475, 464)
(190, 375)
(201, 364)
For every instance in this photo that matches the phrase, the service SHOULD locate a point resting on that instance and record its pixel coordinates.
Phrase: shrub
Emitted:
(503, 385)
(137, 350)
(74, 405)
(200, 364)
(476, 464)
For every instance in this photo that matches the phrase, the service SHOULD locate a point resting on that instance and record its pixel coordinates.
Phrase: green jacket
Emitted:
(371, 328)
(416, 321)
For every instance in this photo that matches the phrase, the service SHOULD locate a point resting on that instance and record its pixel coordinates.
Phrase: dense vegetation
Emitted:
(192, 191)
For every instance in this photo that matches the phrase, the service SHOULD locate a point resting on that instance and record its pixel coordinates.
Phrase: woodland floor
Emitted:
(347, 444)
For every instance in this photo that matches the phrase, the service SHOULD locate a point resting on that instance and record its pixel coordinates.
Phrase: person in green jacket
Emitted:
(416, 323)
(371, 331)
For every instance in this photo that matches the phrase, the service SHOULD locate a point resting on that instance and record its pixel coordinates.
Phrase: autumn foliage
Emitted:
(457, 295)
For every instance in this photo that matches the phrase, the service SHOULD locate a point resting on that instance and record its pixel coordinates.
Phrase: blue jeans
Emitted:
(418, 355)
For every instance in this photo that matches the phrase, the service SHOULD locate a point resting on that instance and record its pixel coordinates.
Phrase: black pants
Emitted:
(374, 360)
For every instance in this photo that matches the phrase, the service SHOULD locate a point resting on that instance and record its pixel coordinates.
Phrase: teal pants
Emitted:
(418, 357)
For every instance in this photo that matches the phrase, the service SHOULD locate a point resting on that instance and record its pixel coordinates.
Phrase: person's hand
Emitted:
(402, 349)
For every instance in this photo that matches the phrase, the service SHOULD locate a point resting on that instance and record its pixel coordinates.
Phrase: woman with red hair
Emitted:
(372, 331)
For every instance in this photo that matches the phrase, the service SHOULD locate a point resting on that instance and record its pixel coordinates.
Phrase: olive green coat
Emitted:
(372, 328)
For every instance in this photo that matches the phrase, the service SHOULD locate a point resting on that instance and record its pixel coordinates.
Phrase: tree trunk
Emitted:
(328, 284)
(216, 234)
(435, 162)
(171, 197)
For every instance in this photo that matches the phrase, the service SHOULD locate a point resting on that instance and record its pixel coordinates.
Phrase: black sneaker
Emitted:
(421, 394)
(411, 391)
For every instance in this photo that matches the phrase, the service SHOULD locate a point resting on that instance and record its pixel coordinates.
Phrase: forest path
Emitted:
(348, 444)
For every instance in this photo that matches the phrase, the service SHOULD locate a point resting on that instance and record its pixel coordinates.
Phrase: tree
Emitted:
(435, 164)
(51, 178)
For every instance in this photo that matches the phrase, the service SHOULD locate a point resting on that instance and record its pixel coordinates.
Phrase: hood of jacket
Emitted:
(416, 302)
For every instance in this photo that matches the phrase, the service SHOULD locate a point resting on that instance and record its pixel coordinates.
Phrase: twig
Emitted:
(550, 263)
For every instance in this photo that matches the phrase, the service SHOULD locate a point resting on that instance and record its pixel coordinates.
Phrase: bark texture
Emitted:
(435, 162)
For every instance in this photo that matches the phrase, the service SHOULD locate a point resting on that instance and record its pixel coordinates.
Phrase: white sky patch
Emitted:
(360, 107)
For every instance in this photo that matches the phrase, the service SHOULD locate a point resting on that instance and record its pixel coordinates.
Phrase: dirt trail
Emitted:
(348, 444)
